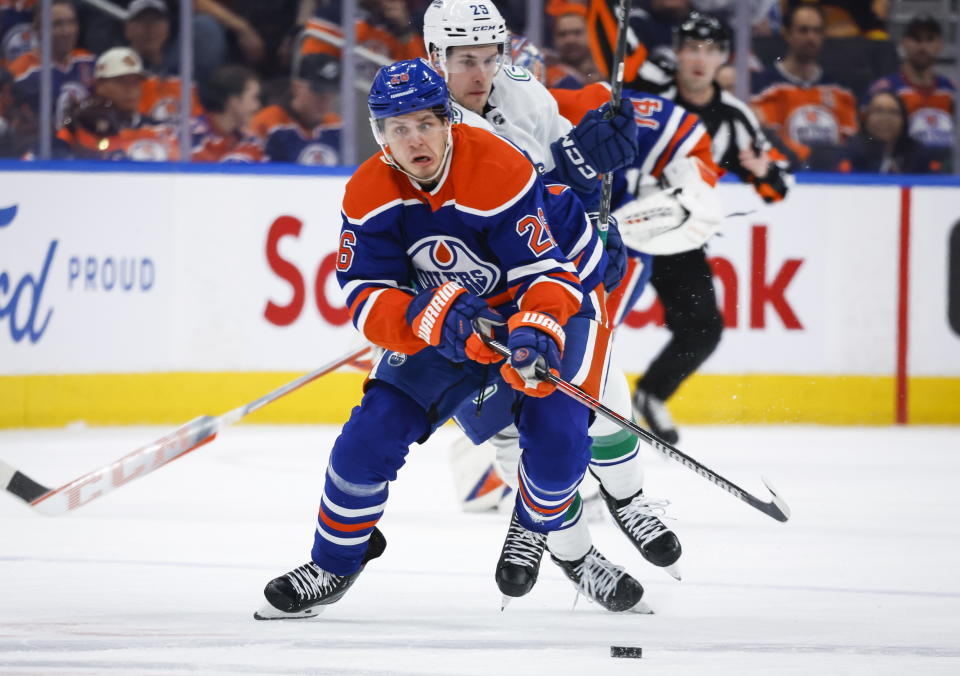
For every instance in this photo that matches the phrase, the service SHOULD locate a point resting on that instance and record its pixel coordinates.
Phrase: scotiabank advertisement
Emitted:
(124, 273)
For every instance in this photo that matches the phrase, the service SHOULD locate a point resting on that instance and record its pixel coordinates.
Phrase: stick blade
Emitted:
(19, 484)
(779, 503)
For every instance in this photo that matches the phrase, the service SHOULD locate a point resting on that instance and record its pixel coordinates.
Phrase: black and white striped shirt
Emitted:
(732, 127)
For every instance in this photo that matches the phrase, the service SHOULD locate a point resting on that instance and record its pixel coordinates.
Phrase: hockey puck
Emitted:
(626, 651)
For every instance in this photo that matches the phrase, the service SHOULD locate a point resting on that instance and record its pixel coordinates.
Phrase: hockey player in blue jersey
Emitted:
(428, 252)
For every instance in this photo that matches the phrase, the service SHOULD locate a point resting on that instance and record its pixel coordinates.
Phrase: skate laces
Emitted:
(523, 547)
(311, 581)
(598, 576)
(641, 516)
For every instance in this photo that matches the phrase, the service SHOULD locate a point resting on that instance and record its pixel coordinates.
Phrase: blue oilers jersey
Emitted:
(286, 140)
(490, 224)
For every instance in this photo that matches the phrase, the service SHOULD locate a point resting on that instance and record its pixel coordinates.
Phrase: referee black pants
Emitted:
(685, 286)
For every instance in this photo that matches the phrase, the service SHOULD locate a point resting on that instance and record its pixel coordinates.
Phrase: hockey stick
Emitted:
(776, 509)
(616, 93)
(179, 442)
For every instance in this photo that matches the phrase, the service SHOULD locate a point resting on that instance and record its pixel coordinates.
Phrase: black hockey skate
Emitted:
(519, 561)
(639, 519)
(654, 413)
(604, 583)
(297, 594)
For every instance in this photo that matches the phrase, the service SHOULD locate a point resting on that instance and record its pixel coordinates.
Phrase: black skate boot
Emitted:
(654, 413)
(519, 561)
(639, 519)
(296, 594)
(604, 583)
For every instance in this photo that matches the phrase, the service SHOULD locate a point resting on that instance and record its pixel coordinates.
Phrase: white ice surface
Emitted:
(163, 575)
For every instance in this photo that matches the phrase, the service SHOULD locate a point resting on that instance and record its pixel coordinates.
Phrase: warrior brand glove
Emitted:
(444, 316)
(536, 344)
(616, 251)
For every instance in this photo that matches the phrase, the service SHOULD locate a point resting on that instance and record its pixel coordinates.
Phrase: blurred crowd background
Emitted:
(838, 85)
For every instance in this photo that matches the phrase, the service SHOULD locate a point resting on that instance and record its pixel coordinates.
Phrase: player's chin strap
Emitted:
(776, 509)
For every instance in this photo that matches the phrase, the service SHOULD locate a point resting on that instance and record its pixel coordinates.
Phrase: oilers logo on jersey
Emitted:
(440, 259)
(148, 150)
(318, 154)
(813, 124)
(932, 127)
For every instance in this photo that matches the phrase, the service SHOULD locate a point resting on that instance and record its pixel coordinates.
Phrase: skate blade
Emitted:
(268, 612)
(673, 570)
(641, 609)
(504, 602)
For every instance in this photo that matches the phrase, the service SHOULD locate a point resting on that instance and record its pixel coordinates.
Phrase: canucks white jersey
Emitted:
(521, 110)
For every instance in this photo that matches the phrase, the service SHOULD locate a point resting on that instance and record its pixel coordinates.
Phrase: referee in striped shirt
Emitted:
(683, 281)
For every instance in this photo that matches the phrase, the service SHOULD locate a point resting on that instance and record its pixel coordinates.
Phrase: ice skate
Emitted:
(604, 583)
(519, 561)
(639, 519)
(654, 413)
(304, 591)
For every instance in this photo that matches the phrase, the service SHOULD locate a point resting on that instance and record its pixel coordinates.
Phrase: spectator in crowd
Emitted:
(248, 39)
(24, 123)
(72, 67)
(16, 29)
(929, 97)
(306, 130)
(147, 30)
(216, 29)
(883, 146)
(572, 66)
(231, 98)
(383, 26)
(656, 24)
(6, 112)
(726, 78)
(812, 113)
(760, 12)
(119, 79)
(109, 125)
(851, 18)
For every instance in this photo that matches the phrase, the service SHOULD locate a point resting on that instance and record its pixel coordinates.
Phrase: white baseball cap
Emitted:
(118, 61)
(138, 6)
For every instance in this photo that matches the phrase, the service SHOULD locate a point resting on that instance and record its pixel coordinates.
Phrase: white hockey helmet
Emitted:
(458, 23)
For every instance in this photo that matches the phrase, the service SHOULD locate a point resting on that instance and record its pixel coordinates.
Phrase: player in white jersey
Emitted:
(466, 42)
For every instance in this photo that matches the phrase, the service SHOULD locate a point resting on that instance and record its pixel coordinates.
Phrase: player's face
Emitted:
(805, 37)
(417, 142)
(697, 63)
(125, 91)
(922, 51)
(470, 74)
